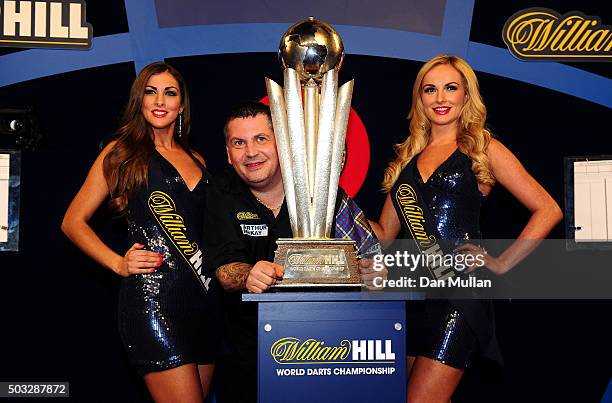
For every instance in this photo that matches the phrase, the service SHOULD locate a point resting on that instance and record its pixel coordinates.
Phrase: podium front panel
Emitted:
(332, 352)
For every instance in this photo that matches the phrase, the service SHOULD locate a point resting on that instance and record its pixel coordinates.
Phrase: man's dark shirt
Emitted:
(241, 229)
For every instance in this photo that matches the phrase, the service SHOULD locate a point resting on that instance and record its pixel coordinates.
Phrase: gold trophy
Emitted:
(310, 117)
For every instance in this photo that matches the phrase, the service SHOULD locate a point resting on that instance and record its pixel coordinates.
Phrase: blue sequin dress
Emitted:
(451, 331)
(169, 318)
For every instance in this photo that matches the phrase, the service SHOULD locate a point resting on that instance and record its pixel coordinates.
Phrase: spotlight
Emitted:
(19, 128)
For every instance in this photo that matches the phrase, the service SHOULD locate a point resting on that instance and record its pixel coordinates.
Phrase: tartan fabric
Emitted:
(351, 223)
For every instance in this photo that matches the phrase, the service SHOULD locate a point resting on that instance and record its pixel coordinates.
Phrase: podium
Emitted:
(331, 346)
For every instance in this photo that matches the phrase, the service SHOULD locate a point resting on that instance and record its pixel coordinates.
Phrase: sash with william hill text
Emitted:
(420, 224)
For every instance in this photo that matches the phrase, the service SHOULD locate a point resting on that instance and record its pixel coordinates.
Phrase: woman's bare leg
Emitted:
(206, 373)
(431, 381)
(410, 363)
(180, 384)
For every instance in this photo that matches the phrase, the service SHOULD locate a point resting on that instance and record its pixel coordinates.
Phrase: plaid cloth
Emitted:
(351, 223)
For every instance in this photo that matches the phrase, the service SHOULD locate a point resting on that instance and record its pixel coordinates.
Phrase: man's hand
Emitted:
(263, 275)
(368, 274)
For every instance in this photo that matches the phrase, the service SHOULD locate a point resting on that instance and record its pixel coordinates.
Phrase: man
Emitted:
(246, 214)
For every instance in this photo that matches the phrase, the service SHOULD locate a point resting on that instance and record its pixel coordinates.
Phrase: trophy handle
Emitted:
(281, 132)
(343, 108)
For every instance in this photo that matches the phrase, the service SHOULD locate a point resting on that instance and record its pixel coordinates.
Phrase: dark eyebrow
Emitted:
(452, 82)
(167, 88)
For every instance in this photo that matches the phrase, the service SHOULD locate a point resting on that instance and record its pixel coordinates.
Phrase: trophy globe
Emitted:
(312, 48)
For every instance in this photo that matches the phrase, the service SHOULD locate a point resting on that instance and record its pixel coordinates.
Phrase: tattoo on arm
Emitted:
(233, 276)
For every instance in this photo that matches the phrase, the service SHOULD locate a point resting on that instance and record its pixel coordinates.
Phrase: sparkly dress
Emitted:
(450, 331)
(169, 318)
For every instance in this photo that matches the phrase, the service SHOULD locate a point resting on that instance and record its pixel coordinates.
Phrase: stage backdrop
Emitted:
(59, 308)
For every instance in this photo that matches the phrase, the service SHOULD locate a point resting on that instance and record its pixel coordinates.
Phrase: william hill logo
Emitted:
(291, 350)
(544, 34)
(316, 259)
(246, 215)
(164, 209)
(44, 24)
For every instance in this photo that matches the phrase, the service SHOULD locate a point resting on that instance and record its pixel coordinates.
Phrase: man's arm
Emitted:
(227, 252)
(233, 276)
(237, 276)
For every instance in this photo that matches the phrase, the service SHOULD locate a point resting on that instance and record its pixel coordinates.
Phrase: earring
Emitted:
(180, 125)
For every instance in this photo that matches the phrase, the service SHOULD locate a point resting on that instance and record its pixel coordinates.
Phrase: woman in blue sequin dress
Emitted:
(167, 303)
(435, 186)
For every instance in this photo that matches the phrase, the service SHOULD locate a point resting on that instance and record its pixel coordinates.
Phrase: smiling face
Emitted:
(443, 95)
(161, 101)
(251, 150)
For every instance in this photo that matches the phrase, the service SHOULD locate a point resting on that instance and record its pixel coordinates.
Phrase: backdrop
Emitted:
(58, 308)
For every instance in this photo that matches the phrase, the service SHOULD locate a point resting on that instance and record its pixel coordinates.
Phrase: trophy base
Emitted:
(317, 263)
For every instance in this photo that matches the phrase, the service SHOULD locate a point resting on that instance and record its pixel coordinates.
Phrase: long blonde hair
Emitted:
(473, 138)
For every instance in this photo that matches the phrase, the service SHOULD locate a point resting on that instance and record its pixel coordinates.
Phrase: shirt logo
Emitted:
(247, 215)
(254, 230)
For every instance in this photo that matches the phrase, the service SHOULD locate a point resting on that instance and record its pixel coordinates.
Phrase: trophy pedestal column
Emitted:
(331, 347)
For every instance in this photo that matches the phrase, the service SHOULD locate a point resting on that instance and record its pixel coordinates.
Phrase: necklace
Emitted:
(268, 207)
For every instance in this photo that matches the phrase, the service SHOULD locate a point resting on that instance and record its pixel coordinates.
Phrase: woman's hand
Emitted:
(481, 258)
(138, 261)
(372, 278)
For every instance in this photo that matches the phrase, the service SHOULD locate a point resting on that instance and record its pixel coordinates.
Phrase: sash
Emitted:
(418, 221)
(165, 212)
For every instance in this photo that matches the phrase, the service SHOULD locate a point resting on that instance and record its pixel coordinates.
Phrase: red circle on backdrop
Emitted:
(357, 153)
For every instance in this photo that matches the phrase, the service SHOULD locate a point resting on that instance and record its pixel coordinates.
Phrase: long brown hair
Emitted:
(125, 165)
(473, 138)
